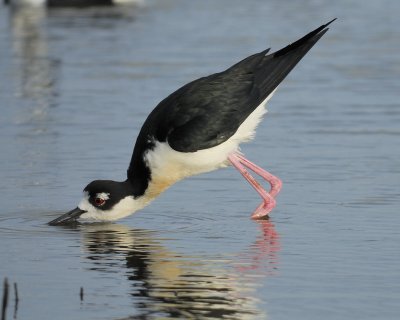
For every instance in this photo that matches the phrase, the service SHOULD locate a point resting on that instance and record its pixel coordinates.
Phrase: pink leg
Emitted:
(240, 162)
(275, 182)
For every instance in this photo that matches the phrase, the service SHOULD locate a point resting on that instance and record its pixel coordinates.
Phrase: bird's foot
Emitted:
(264, 209)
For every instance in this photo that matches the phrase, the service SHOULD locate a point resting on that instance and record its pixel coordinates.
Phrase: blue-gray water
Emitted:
(75, 87)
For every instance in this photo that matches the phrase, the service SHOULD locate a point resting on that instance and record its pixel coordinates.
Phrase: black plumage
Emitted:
(208, 111)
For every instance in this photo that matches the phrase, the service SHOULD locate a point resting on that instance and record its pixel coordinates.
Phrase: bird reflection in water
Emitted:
(175, 285)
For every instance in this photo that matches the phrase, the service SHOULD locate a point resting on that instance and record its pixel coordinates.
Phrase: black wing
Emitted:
(208, 111)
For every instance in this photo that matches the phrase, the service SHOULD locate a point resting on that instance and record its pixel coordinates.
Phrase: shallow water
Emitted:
(75, 86)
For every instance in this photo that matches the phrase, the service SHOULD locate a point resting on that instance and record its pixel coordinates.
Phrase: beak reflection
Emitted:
(68, 217)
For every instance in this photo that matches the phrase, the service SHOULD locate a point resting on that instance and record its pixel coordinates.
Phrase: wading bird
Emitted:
(197, 129)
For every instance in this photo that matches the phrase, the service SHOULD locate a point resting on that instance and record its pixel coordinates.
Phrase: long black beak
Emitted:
(68, 217)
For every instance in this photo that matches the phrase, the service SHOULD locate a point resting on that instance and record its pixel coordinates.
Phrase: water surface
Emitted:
(75, 87)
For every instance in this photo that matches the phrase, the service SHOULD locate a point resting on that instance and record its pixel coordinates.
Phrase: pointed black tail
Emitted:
(276, 66)
(311, 37)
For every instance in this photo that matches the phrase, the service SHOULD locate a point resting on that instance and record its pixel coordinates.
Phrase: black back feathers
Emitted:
(208, 111)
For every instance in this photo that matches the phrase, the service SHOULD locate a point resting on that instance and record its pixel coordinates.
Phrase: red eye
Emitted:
(99, 201)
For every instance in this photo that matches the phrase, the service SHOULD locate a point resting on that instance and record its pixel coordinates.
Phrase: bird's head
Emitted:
(103, 200)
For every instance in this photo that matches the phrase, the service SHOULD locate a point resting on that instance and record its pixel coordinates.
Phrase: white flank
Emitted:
(169, 164)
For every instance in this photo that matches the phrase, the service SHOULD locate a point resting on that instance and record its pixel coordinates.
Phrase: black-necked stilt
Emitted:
(197, 129)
